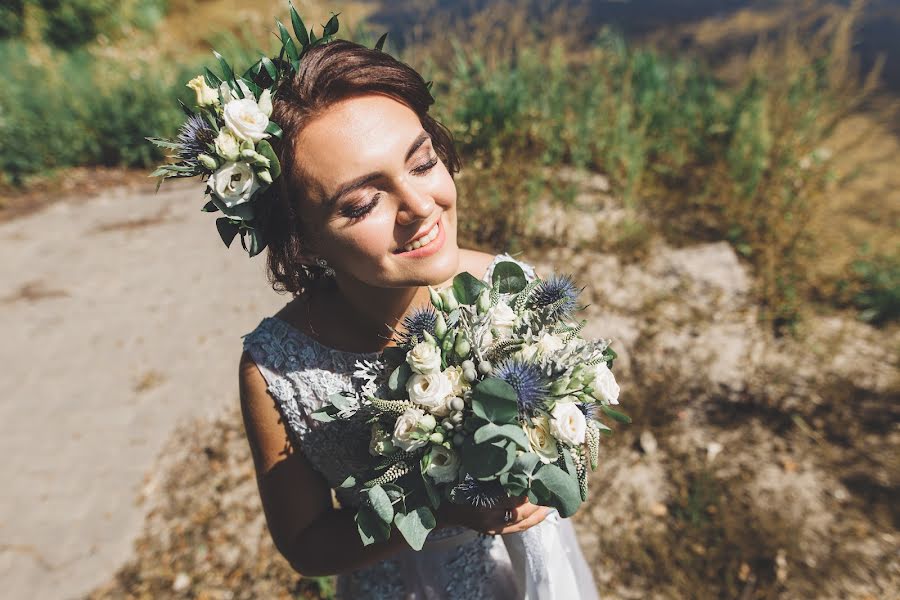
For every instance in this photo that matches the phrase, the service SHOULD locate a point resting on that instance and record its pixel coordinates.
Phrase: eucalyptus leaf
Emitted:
(349, 482)
(415, 526)
(496, 401)
(508, 278)
(398, 378)
(257, 242)
(488, 460)
(371, 528)
(381, 503)
(556, 488)
(341, 402)
(227, 230)
(515, 484)
(467, 287)
(509, 431)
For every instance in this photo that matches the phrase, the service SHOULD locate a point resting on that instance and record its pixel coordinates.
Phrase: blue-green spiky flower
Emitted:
(194, 138)
(480, 494)
(590, 410)
(415, 324)
(559, 292)
(529, 382)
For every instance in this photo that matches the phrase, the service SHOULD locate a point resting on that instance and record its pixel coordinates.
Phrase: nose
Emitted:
(414, 205)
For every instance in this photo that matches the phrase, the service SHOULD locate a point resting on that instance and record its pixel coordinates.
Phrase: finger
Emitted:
(533, 519)
(498, 524)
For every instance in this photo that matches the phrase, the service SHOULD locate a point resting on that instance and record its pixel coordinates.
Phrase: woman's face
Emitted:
(381, 205)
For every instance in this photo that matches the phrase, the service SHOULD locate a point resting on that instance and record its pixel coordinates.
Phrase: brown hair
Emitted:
(330, 73)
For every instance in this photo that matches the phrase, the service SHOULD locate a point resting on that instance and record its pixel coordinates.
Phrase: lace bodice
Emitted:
(301, 374)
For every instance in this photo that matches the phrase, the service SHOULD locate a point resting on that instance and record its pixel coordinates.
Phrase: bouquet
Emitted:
(490, 393)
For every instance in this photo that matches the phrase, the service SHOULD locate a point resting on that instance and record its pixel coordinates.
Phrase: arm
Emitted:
(315, 538)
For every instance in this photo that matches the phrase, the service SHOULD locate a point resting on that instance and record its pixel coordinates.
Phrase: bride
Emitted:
(361, 220)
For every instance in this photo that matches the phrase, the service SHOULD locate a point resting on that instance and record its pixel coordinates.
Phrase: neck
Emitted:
(374, 313)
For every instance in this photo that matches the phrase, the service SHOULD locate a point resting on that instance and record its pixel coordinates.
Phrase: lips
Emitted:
(423, 238)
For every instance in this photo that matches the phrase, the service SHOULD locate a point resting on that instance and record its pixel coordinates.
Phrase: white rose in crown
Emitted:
(432, 392)
(443, 466)
(227, 146)
(568, 424)
(246, 118)
(605, 387)
(424, 358)
(408, 435)
(541, 440)
(234, 183)
(206, 96)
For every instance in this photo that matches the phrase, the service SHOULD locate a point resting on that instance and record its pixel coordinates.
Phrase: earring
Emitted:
(329, 272)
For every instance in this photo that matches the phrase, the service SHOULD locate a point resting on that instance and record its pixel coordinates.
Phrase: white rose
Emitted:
(234, 183)
(424, 358)
(443, 466)
(503, 319)
(542, 442)
(380, 444)
(432, 391)
(408, 424)
(265, 102)
(568, 424)
(227, 146)
(458, 384)
(605, 386)
(528, 352)
(245, 120)
(549, 344)
(206, 95)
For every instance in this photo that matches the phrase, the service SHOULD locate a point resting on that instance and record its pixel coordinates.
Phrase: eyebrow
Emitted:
(364, 179)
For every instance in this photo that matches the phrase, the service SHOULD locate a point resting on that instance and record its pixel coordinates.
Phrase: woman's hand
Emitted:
(522, 515)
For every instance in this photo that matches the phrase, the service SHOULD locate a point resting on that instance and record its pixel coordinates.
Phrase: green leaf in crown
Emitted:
(226, 138)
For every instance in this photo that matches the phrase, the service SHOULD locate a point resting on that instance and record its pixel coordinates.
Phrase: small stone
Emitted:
(712, 451)
(648, 442)
(658, 509)
(182, 582)
(744, 572)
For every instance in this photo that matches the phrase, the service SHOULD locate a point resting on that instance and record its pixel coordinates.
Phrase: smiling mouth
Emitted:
(422, 241)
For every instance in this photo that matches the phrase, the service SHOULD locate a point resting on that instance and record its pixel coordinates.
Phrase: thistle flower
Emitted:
(480, 494)
(194, 138)
(558, 291)
(590, 410)
(415, 324)
(529, 382)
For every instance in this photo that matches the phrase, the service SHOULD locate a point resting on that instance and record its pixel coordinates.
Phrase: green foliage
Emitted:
(11, 22)
(875, 288)
(72, 23)
(89, 113)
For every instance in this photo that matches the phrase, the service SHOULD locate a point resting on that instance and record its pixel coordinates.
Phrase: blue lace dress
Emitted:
(542, 563)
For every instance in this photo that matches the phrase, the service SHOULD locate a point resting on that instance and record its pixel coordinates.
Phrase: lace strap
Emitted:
(265, 346)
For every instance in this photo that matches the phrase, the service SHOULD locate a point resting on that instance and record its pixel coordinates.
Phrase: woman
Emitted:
(362, 219)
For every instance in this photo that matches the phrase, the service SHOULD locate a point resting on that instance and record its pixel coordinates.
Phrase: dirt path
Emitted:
(122, 317)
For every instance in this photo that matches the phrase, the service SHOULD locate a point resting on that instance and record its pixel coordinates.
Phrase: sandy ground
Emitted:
(122, 317)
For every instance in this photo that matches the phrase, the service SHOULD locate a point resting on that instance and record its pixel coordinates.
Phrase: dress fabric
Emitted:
(542, 563)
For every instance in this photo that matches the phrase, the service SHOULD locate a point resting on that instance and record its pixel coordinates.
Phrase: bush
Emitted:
(11, 13)
(72, 23)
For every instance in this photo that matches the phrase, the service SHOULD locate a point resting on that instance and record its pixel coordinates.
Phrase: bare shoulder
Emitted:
(475, 262)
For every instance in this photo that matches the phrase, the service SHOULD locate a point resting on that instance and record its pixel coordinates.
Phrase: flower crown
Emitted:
(224, 140)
